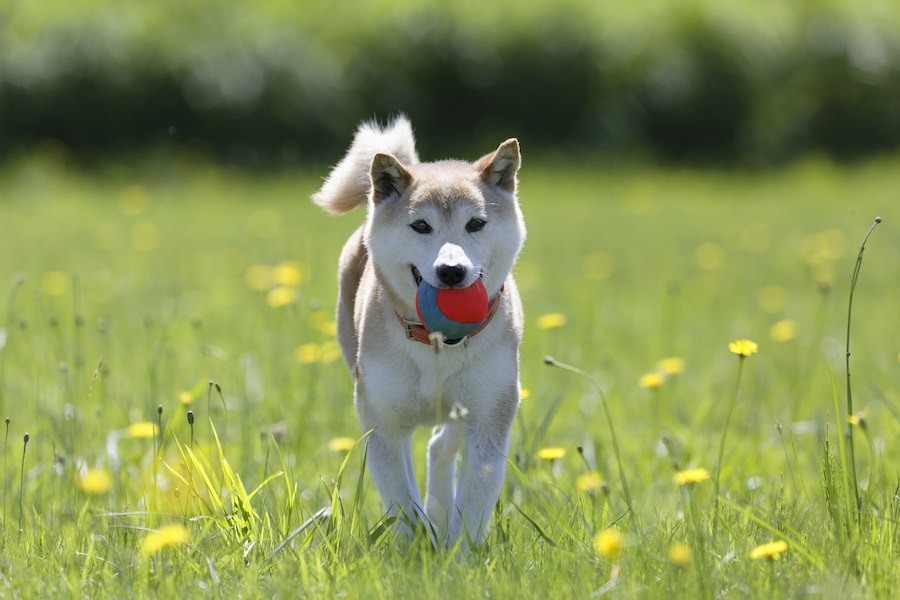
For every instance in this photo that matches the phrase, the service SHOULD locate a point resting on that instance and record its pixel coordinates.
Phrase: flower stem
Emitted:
(22, 485)
(612, 430)
(734, 397)
(854, 278)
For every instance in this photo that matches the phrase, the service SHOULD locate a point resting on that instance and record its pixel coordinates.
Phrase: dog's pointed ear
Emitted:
(389, 177)
(500, 167)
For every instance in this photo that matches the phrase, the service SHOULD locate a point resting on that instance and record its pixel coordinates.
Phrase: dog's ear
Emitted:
(388, 176)
(499, 168)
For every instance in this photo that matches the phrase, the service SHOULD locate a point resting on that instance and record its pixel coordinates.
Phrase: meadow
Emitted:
(133, 297)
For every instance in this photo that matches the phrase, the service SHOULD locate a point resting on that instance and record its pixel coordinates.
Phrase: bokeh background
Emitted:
(274, 82)
(695, 171)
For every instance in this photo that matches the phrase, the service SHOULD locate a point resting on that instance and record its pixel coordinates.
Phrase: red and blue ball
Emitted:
(455, 312)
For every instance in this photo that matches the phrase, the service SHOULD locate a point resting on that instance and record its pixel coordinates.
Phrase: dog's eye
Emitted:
(420, 226)
(475, 224)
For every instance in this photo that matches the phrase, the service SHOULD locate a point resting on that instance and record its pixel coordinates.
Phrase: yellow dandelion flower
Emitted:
(771, 298)
(308, 354)
(165, 536)
(551, 453)
(743, 347)
(142, 430)
(185, 397)
(258, 278)
(133, 200)
(341, 444)
(524, 394)
(651, 381)
(95, 482)
(709, 256)
(288, 273)
(680, 554)
(328, 328)
(551, 321)
(144, 237)
(589, 482)
(783, 331)
(671, 365)
(770, 550)
(281, 296)
(691, 476)
(609, 543)
(330, 351)
(54, 283)
(857, 420)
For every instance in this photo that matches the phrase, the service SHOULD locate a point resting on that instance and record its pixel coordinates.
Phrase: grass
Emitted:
(152, 286)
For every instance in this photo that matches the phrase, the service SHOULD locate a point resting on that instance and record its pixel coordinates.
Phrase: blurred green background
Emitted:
(695, 171)
(277, 82)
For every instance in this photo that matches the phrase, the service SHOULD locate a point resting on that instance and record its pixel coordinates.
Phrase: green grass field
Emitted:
(136, 287)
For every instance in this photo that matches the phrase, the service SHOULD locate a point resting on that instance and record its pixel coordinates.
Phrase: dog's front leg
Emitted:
(389, 460)
(443, 450)
(483, 468)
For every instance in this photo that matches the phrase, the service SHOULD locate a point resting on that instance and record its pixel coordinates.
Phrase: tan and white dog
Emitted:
(448, 222)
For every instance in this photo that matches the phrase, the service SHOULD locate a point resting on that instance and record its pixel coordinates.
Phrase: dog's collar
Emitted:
(416, 331)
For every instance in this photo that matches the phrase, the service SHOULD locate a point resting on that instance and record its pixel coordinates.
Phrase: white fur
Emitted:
(469, 391)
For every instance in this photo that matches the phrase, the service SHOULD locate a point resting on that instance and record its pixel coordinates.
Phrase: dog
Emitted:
(447, 222)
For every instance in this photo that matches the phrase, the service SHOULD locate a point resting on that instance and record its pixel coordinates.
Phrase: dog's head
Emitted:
(447, 222)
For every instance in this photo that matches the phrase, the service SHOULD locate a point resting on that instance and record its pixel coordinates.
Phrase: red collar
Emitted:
(416, 331)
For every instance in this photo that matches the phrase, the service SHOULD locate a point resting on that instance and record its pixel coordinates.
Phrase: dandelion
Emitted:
(133, 200)
(589, 482)
(330, 351)
(671, 365)
(288, 274)
(709, 256)
(743, 347)
(185, 397)
(551, 321)
(783, 331)
(95, 482)
(54, 283)
(680, 554)
(691, 476)
(552, 453)
(328, 328)
(341, 444)
(609, 543)
(771, 298)
(144, 237)
(771, 550)
(650, 381)
(524, 394)
(281, 296)
(167, 535)
(142, 430)
(308, 354)
(258, 278)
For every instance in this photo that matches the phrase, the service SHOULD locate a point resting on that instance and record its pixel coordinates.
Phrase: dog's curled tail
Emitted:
(348, 183)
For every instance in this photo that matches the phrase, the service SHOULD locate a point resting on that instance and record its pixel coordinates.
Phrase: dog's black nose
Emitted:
(451, 274)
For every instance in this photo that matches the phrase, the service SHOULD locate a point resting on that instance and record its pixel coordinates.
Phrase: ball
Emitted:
(455, 312)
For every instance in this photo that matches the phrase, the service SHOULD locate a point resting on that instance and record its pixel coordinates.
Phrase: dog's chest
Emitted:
(424, 388)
